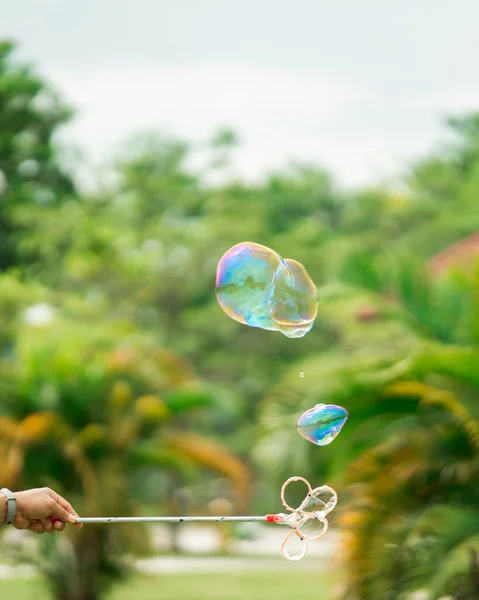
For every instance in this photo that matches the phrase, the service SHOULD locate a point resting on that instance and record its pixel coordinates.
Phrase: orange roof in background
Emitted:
(459, 254)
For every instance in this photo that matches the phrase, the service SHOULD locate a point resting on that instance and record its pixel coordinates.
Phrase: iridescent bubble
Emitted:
(257, 287)
(322, 423)
(301, 374)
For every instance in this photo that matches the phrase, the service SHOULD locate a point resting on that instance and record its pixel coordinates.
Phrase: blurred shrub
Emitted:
(407, 461)
(87, 408)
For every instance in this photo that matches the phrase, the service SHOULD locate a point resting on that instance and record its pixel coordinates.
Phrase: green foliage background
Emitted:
(128, 271)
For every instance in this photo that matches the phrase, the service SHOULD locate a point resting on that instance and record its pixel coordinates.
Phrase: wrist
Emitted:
(3, 509)
(10, 506)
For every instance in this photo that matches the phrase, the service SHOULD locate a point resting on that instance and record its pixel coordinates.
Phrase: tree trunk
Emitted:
(90, 569)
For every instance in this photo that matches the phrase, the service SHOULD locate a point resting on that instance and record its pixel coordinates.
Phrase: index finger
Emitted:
(65, 505)
(61, 514)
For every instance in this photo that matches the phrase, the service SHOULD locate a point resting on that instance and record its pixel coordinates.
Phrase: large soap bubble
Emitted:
(257, 287)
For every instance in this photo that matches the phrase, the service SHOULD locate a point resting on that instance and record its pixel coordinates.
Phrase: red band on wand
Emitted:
(270, 518)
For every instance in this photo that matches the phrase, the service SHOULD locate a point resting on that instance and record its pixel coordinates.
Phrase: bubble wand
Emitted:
(307, 522)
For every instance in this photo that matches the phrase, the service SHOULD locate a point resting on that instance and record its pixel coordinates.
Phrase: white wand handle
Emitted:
(265, 518)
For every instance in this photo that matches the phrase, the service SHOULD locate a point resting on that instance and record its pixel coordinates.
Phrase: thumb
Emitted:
(60, 513)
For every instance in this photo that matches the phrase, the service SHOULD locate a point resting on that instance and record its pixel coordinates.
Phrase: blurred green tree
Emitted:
(410, 450)
(30, 175)
(99, 414)
(143, 251)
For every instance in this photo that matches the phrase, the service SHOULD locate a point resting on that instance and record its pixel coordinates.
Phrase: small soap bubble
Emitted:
(256, 287)
(314, 528)
(301, 374)
(294, 546)
(323, 499)
(321, 424)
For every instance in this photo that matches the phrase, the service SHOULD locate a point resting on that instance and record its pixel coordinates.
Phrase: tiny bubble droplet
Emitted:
(301, 374)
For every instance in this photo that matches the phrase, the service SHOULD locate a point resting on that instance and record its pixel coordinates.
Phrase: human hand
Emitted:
(43, 510)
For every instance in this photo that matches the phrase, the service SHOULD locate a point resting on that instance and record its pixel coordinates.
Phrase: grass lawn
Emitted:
(272, 585)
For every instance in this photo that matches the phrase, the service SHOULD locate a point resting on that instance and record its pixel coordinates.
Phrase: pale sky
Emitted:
(358, 86)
